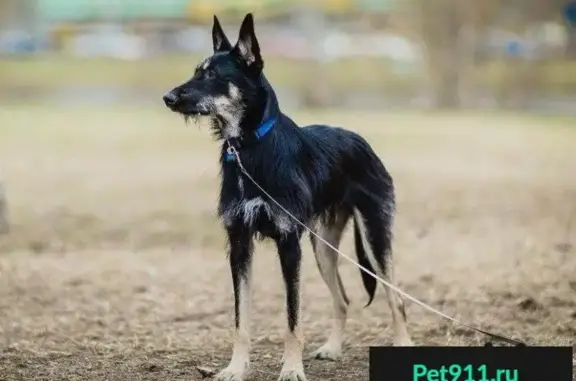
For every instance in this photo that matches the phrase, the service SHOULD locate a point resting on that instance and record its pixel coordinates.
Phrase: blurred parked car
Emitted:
(18, 42)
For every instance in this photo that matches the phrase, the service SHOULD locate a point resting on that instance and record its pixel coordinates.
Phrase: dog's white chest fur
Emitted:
(251, 210)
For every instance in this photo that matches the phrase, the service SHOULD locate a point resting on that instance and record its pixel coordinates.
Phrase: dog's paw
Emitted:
(327, 352)
(230, 375)
(292, 375)
(404, 341)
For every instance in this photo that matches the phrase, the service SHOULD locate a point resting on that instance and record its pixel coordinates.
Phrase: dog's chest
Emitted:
(250, 208)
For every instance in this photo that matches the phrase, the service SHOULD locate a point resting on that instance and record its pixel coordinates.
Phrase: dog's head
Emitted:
(225, 84)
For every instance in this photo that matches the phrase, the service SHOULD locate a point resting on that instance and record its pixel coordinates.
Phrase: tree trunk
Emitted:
(447, 89)
(316, 90)
(441, 26)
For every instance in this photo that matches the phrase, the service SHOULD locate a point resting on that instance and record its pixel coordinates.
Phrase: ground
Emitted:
(115, 266)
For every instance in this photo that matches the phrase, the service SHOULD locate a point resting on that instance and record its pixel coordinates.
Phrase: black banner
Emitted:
(471, 364)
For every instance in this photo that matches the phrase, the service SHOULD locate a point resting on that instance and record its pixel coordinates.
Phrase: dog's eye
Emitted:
(209, 74)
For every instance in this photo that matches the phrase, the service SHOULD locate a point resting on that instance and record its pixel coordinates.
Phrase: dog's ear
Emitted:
(219, 40)
(247, 46)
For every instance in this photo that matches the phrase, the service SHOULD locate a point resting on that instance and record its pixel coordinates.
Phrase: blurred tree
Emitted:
(438, 24)
(450, 31)
(311, 19)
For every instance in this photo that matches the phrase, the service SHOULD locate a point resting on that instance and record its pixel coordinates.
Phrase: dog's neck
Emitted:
(267, 109)
(260, 118)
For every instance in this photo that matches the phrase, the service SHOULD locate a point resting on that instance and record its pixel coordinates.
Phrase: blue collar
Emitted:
(259, 133)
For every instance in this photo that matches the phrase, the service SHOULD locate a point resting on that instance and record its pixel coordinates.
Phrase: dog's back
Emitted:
(348, 160)
(328, 168)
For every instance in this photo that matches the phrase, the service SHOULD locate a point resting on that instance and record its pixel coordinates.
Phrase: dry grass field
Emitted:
(45, 72)
(115, 267)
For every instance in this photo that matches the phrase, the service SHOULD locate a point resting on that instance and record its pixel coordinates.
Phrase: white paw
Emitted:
(403, 341)
(230, 374)
(327, 352)
(292, 375)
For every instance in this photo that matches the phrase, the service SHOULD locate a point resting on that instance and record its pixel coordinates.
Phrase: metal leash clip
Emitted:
(232, 153)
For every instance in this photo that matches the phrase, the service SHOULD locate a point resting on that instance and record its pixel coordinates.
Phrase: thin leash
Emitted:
(233, 152)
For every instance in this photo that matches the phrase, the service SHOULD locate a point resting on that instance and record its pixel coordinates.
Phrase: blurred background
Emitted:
(357, 53)
(112, 259)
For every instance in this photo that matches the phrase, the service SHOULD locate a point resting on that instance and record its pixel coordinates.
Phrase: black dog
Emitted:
(322, 175)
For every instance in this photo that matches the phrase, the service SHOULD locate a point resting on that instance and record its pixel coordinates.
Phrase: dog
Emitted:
(322, 175)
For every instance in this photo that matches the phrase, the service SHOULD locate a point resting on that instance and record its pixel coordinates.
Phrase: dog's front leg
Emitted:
(241, 247)
(290, 258)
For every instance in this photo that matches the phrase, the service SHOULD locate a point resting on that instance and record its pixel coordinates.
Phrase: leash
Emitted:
(232, 152)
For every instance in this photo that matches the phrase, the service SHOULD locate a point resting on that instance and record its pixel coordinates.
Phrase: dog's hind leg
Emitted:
(290, 259)
(241, 248)
(375, 225)
(327, 260)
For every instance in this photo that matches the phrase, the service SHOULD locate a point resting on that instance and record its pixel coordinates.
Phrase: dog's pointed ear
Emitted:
(219, 40)
(247, 46)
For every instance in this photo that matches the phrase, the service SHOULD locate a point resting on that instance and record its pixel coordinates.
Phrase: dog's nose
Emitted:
(170, 99)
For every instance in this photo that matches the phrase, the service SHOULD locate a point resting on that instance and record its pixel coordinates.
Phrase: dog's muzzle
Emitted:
(184, 104)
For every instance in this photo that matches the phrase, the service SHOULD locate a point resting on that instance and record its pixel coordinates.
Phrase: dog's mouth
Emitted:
(191, 110)
(197, 112)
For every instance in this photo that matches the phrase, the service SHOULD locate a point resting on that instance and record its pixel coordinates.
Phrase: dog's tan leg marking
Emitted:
(401, 336)
(327, 260)
(293, 368)
(240, 362)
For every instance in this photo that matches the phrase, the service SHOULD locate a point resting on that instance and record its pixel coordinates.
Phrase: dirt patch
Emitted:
(158, 315)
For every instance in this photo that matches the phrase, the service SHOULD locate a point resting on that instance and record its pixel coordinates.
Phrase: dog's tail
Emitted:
(368, 281)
